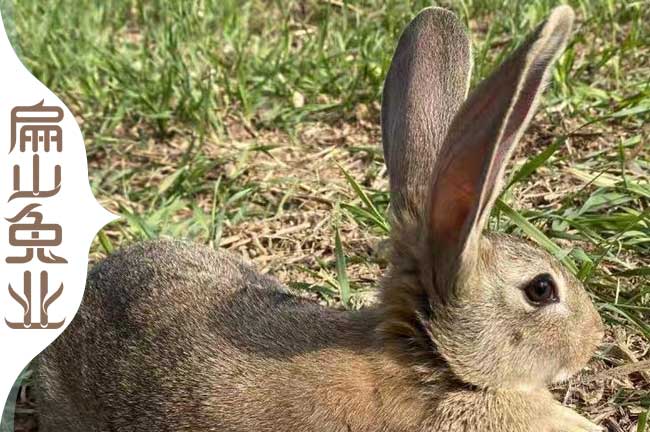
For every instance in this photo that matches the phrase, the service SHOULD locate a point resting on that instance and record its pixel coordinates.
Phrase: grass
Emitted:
(253, 125)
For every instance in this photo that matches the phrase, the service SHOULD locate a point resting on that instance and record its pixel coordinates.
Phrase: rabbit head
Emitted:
(498, 311)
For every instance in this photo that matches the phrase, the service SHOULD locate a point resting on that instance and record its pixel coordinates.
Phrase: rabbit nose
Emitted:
(597, 325)
(601, 327)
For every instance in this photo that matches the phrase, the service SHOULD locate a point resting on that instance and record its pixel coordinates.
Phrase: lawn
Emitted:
(254, 126)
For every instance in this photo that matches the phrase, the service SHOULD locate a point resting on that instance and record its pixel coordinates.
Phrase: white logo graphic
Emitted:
(48, 216)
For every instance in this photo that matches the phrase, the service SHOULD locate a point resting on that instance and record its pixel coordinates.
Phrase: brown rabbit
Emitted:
(469, 330)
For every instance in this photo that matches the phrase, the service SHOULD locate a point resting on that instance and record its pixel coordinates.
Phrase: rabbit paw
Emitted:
(564, 419)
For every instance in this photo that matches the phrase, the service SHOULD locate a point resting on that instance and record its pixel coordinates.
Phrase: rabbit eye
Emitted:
(541, 290)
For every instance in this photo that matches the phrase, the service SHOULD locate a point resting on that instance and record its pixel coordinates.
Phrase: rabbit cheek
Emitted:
(570, 345)
(584, 345)
(584, 330)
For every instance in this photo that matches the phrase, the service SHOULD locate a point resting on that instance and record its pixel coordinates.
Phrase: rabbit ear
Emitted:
(483, 134)
(426, 84)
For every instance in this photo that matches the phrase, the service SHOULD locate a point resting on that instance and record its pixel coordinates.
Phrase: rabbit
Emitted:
(468, 331)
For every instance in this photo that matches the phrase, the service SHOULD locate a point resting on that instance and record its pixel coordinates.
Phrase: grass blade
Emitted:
(535, 234)
(379, 218)
(643, 421)
(341, 269)
(530, 166)
(105, 242)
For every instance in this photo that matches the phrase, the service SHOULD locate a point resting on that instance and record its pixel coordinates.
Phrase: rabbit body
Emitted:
(176, 337)
(468, 332)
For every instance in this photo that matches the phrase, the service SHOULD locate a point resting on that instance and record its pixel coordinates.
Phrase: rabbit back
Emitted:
(173, 337)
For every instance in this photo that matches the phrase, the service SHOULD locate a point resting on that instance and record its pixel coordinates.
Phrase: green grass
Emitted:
(181, 104)
(156, 71)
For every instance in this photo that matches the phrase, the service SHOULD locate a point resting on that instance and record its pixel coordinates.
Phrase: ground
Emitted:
(254, 126)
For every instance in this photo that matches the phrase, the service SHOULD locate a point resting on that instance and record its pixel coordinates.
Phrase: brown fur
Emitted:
(176, 337)
(159, 345)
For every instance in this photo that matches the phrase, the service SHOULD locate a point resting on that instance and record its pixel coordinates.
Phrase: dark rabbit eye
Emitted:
(541, 290)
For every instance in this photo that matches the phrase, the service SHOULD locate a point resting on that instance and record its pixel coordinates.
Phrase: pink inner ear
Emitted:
(448, 220)
(516, 121)
(464, 159)
(455, 198)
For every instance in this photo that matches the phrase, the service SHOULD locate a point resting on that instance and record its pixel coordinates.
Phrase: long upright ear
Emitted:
(426, 84)
(480, 141)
